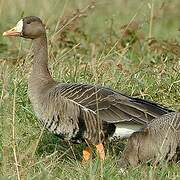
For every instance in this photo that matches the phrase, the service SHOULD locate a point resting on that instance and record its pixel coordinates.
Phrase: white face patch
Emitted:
(19, 26)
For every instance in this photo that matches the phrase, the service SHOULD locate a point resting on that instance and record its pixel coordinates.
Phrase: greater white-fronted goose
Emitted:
(159, 140)
(79, 111)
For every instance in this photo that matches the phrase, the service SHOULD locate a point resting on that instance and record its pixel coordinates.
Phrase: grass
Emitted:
(95, 49)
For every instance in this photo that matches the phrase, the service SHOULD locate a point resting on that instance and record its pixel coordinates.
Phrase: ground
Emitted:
(130, 46)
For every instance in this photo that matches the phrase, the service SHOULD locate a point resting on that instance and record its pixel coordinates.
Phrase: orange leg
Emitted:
(100, 151)
(86, 154)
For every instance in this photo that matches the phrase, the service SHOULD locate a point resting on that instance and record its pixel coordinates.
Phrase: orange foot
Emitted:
(100, 151)
(86, 154)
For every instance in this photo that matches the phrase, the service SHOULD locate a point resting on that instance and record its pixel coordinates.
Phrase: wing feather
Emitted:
(113, 107)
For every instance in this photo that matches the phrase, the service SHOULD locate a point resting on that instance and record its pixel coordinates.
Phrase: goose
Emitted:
(159, 140)
(79, 112)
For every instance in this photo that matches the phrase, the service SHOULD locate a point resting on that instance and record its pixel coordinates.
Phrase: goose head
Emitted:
(30, 27)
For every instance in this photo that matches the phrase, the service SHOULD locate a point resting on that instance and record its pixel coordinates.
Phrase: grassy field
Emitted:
(130, 46)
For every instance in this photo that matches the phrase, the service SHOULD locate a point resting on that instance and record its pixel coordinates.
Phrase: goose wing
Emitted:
(111, 106)
(69, 119)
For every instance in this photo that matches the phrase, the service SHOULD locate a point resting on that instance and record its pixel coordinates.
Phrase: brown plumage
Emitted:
(70, 110)
(160, 140)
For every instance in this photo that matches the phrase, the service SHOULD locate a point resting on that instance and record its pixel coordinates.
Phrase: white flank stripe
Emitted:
(125, 131)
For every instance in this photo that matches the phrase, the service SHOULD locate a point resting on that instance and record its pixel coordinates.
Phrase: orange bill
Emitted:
(12, 32)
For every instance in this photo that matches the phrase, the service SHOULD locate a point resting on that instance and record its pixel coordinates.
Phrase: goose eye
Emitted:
(28, 22)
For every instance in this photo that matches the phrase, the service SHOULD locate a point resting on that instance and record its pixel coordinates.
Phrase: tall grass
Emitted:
(94, 50)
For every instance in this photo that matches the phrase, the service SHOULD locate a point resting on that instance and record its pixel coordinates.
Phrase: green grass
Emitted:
(89, 55)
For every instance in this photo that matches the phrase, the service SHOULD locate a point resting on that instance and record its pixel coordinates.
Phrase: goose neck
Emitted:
(40, 61)
(40, 78)
(40, 52)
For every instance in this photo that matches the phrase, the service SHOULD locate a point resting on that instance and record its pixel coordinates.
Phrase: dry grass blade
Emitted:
(14, 133)
(151, 6)
(70, 22)
(127, 26)
(37, 142)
